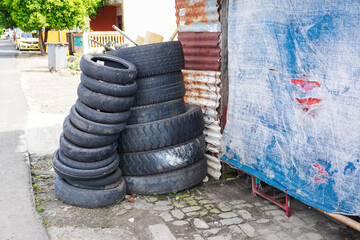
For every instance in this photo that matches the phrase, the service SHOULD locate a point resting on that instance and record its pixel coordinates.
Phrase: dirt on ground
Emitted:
(222, 208)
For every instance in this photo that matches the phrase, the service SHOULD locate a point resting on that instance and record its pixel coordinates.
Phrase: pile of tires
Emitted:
(162, 147)
(87, 162)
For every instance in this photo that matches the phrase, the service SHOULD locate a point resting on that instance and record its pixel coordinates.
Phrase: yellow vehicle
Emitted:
(27, 41)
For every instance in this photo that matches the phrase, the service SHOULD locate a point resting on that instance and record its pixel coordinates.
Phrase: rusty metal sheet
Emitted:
(197, 16)
(201, 50)
(214, 166)
(202, 88)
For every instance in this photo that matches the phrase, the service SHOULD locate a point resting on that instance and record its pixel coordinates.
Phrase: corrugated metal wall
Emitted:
(199, 31)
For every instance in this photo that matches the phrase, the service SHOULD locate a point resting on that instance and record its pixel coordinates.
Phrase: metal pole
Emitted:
(344, 219)
(106, 47)
(117, 29)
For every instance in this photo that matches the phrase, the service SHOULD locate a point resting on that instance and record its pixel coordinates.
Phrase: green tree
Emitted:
(6, 20)
(43, 15)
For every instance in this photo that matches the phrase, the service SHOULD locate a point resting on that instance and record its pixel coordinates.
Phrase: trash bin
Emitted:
(57, 56)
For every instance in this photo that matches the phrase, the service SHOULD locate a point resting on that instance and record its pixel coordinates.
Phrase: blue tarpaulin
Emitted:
(293, 115)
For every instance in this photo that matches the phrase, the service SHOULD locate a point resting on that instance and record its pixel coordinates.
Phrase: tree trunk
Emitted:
(42, 43)
(46, 35)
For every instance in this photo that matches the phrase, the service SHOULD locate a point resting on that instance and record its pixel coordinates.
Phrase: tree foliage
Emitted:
(6, 20)
(50, 14)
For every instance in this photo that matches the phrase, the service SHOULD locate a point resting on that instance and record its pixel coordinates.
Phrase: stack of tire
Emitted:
(87, 162)
(162, 147)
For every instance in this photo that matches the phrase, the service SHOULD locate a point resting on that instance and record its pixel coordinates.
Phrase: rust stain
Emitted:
(201, 50)
(202, 77)
(195, 11)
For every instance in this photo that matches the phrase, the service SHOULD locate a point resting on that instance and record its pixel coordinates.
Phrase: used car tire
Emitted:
(100, 183)
(100, 117)
(111, 89)
(84, 139)
(159, 94)
(82, 154)
(154, 112)
(89, 198)
(114, 70)
(85, 165)
(160, 80)
(163, 159)
(109, 186)
(167, 182)
(93, 127)
(104, 102)
(153, 59)
(73, 173)
(164, 132)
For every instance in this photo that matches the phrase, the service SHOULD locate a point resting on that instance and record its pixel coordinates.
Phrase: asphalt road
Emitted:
(18, 218)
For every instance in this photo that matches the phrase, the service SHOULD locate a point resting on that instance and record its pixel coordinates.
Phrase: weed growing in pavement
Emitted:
(38, 206)
(35, 186)
(47, 223)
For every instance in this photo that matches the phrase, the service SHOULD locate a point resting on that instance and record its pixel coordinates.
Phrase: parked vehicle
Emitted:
(27, 41)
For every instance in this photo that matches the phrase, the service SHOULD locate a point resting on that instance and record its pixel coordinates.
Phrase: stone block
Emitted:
(248, 229)
(211, 232)
(200, 224)
(180, 223)
(191, 209)
(231, 221)
(166, 216)
(227, 215)
(177, 214)
(223, 207)
(245, 214)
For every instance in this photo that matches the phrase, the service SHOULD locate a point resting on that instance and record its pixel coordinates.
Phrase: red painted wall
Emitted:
(105, 19)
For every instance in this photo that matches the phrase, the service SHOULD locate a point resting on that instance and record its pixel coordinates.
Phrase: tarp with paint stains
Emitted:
(294, 98)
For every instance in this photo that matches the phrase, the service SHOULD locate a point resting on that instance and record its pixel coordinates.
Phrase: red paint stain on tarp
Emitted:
(305, 85)
(321, 170)
(317, 179)
(308, 101)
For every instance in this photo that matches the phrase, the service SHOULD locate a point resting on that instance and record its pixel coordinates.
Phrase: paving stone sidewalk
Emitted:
(221, 209)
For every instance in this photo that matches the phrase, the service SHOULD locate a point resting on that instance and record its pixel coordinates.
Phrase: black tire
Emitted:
(93, 127)
(153, 59)
(81, 154)
(159, 94)
(84, 139)
(73, 173)
(105, 187)
(89, 198)
(85, 165)
(168, 182)
(154, 112)
(111, 89)
(162, 133)
(99, 183)
(160, 80)
(114, 70)
(100, 117)
(163, 159)
(104, 102)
